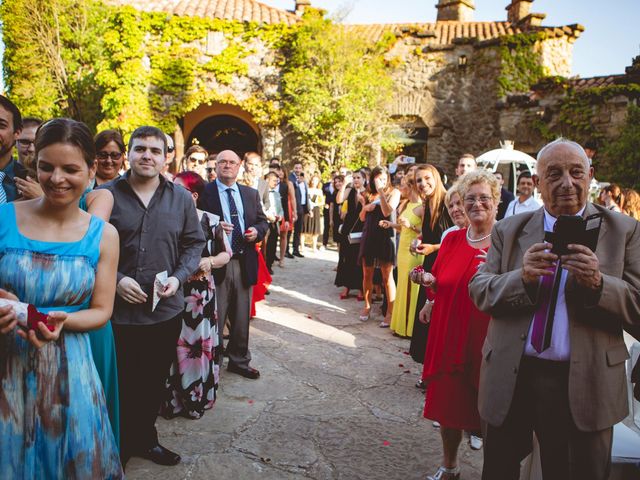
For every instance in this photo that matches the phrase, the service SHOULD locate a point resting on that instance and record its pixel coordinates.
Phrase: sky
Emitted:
(607, 46)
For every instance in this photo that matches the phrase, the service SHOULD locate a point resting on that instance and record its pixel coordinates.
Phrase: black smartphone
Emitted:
(571, 229)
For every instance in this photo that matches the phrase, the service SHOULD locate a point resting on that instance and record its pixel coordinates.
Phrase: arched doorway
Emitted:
(225, 132)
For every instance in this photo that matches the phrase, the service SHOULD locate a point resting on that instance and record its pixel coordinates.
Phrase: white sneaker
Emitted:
(436, 424)
(475, 442)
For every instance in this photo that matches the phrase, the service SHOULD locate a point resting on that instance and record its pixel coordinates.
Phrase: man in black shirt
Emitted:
(159, 233)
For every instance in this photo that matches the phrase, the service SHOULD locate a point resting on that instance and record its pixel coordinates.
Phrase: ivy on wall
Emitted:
(521, 64)
(129, 67)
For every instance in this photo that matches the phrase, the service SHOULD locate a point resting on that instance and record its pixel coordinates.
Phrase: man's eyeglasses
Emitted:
(210, 169)
(24, 142)
(111, 155)
(483, 199)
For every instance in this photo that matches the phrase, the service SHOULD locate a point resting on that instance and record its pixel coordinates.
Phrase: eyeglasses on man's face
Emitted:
(210, 169)
(111, 155)
(25, 142)
(200, 161)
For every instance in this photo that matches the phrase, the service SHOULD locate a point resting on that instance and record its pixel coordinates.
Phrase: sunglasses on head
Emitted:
(111, 155)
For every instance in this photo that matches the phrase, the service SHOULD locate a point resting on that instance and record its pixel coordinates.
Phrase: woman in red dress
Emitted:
(458, 329)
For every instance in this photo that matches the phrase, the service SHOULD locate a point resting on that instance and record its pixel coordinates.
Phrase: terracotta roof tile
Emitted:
(447, 31)
(240, 10)
(583, 83)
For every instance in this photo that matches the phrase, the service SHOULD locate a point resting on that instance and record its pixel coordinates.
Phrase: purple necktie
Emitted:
(543, 319)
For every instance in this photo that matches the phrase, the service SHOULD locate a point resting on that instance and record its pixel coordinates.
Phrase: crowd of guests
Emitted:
(513, 335)
(464, 272)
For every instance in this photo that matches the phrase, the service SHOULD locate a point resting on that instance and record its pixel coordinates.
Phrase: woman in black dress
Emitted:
(435, 221)
(377, 248)
(349, 274)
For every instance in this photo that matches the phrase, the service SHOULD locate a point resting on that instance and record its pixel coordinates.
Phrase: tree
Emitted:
(336, 89)
(623, 154)
(53, 53)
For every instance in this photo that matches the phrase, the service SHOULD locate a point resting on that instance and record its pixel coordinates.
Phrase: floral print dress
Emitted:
(193, 378)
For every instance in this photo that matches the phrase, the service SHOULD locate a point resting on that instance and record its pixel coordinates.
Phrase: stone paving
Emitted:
(336, 398)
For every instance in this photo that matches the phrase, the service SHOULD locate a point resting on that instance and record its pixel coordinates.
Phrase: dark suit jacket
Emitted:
(253, 217)
(301, 209)
(505, 199)
(597, 381)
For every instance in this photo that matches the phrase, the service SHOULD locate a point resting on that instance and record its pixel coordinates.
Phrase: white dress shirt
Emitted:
(303, 193)
(515, 206)
(224, 202)
(560, 348)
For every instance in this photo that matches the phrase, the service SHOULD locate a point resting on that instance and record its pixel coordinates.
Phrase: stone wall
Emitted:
(556, 56)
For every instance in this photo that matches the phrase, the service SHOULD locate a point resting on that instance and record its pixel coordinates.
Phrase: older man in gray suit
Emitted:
(570, 389)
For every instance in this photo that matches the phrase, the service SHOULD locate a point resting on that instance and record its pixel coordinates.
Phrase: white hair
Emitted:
(564, 141)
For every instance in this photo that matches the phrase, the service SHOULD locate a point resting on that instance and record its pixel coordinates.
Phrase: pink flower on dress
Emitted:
(196, 393)
(194, 355)
(195, 303)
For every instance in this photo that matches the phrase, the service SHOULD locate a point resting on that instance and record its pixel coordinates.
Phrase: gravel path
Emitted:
(336, 397)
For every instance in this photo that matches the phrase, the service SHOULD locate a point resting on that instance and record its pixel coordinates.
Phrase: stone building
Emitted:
(460, 85)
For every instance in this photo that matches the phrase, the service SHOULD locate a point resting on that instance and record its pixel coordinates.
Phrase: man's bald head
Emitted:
(228, 155)
(563, 177)
(227, 167)
(561, 143)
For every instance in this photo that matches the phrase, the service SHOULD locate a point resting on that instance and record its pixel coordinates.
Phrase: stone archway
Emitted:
(225, 132)
(222, 127)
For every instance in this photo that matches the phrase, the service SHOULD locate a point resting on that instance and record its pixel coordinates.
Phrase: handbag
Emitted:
(354, 237)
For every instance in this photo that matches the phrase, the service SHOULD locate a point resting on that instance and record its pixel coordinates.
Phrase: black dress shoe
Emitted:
(161, 456)
(288, 255)
(298, 254)
(248, 372)
(270, 270)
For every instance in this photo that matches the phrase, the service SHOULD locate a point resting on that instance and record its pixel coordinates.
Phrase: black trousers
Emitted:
(325, 232)
(144, 353)
(272, 244)
(541, 404)
(297, 230)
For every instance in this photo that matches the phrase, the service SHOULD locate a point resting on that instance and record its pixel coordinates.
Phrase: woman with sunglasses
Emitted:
(110, 156)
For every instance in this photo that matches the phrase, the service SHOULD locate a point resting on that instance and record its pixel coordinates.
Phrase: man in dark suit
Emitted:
(302, 204)
(554, 356)
(329, 198)
(245, 224)
(505, 197)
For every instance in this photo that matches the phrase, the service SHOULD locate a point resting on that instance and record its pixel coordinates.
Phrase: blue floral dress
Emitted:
(53, 417)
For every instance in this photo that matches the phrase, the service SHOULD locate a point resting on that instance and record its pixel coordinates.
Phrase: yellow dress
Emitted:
(404, 308)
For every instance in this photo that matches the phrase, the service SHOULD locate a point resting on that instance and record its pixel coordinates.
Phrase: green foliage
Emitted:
(336, 87)
(53, 53)
(521, 64)
(623, 154)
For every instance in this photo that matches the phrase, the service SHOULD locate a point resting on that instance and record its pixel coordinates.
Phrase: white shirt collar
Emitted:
(550, 220)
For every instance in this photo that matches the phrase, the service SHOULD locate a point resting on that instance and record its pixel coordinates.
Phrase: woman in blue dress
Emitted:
(53, 416)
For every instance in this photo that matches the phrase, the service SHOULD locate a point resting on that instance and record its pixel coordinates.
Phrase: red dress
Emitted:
(456, 334)
(261, 286)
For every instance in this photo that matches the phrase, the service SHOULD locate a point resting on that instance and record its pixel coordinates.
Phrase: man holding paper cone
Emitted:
(160, 244)
(554, 356)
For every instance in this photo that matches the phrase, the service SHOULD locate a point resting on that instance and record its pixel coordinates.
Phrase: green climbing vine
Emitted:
(521, 64)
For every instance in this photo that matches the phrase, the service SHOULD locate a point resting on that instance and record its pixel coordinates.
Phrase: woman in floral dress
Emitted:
(193, 378)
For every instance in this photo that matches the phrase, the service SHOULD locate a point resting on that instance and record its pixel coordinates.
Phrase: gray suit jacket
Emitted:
(597, 384)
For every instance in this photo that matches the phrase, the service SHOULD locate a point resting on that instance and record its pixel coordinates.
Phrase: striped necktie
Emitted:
(237, 241)
(3, 194)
